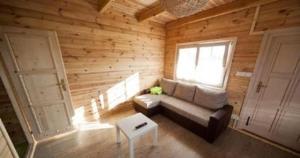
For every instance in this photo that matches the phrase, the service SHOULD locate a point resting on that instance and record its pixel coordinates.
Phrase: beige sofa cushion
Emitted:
(168, 86)
(189, 110)
(212, 99)
(148, 100)
(185, 91)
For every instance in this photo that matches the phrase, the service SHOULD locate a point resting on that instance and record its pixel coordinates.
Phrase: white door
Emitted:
(35, 66)
(272, 105)
(287, 128)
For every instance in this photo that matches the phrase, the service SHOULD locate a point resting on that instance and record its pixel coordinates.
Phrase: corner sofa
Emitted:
(205, 112)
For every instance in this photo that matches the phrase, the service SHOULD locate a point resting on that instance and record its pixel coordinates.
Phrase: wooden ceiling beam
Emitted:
(103, 5)
(227, 8)
(149, 12)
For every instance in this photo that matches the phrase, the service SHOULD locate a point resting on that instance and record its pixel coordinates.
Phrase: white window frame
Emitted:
(231, 49)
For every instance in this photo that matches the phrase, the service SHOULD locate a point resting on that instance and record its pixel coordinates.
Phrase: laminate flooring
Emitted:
(98, 140)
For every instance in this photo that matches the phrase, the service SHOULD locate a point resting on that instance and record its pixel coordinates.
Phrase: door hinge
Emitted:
(247, 122)
(62, 84)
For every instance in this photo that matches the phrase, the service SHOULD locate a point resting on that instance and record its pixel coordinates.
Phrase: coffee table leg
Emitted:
(131, 148)
(118, 134)
(155, 136)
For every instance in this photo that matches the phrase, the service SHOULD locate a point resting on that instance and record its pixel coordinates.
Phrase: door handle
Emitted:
(62, 84)
(259, 86)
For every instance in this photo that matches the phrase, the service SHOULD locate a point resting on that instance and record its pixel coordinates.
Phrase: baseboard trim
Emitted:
(267, 141)
(31, 150)
(57, 136)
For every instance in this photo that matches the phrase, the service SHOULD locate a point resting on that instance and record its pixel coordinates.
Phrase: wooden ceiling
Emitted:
(149, 9)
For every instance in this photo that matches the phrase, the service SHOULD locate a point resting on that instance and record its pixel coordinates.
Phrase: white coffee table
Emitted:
(127, 126)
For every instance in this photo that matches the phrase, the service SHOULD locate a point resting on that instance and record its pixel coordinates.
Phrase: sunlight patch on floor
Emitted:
(94, 126)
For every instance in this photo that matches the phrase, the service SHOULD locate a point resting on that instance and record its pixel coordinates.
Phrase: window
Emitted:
(205, 63)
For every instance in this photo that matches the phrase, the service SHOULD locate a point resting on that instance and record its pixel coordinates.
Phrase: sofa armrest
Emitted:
(221, 113)
(218, 122)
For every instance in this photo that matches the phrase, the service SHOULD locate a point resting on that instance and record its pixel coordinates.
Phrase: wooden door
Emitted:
(271, 108)
(34, 63)
(287, 127)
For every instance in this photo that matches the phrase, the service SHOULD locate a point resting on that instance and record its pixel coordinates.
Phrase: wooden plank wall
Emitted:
(9, 118)
(281, 14)
(99, 50)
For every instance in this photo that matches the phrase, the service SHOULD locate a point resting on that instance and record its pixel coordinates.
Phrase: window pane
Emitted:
(210, 68)
(186, 63)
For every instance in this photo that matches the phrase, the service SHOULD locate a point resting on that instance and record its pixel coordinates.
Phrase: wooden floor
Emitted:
(98, 141)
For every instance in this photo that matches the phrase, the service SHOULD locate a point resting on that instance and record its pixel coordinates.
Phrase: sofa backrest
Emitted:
(168, 86)
(185, 91)
(211, 99)
(208, 98)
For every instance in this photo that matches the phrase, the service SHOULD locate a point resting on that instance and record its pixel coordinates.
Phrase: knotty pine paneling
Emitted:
(282, 14)
(100, 51)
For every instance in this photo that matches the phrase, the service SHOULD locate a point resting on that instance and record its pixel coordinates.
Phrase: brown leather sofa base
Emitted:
(218, 121)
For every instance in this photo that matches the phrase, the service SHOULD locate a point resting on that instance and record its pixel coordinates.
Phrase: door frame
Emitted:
(15, 103)
(8, 141)
(257, 73)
